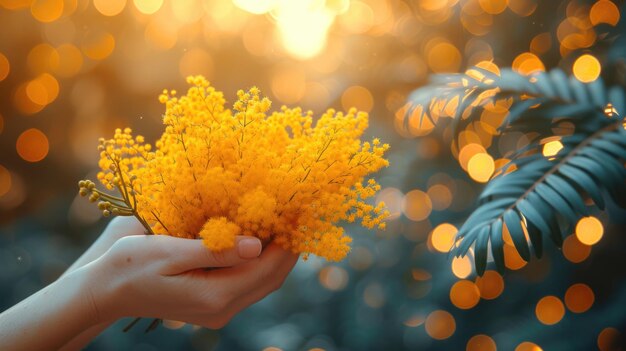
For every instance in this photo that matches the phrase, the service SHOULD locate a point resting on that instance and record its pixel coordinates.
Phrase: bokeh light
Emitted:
(574, 250)
(490, 285)
(481, 342)
(589, 230)
(417, 205)
(5, 180)
(579, 298)
(528, 346)
(464, 294)
(549, 310)
(5, 67)
(440, 325)
(586, 68)
(609, 339)
(442, 237)
(32, 145)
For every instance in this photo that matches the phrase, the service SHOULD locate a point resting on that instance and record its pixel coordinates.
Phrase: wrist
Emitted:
(100, 290)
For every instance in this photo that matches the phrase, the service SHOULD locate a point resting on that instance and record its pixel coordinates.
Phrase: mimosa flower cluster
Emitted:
(216, 173)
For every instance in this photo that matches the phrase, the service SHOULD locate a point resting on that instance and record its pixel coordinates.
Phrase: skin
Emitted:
(128, 274)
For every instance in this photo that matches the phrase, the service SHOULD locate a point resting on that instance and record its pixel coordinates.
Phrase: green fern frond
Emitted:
(534, 194)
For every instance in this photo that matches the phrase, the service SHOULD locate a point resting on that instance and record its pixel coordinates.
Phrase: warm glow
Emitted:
(417, 205)
(68, 61)
(440, 325)
(493, 7)
(551, 148)
(46, 10)
(579, 298)
(440, 196)
(608, 338)
(481, 342)
(109, 7)
(589, 230)
(586, 68)
(148, 7)
(303, 27)
(5, 180)
(5, 67)
(604, 11)
(550, 310)
(98, 45)
(468, 151)
(464, 294)
(462, 267)
(527, 63)
(574, 250)
(32, 145)
(480, 167)
(528, 346)
(333, 278)
(444, 57)
(359, 97)
(490, 285)
(442, 237)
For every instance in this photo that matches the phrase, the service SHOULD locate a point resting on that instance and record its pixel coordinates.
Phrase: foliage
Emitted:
(217, 173)
(577, 151)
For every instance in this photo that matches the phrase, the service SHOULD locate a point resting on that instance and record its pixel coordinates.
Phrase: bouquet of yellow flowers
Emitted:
(216, 173)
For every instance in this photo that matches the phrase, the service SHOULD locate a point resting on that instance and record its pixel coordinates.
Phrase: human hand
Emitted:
(160, 276)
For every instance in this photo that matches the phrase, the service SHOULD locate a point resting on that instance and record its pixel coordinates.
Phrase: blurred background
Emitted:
(72, 71)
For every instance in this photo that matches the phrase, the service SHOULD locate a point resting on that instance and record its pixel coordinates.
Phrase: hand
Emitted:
(160, 276)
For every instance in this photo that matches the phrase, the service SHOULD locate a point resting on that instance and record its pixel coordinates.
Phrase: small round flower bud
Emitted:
(81, 184)
(106, 213)
(83, 192)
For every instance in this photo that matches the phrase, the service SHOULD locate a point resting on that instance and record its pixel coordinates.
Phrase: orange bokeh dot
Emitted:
(493, 7)
(550, 310)
(481, 342)
(440, 325)
(589, 230)
(464, 294)
(417, 205)
(46, 10)
(527, 63)
(461, 267)
(5, 67)
(574, 250)
(468, 151)
(98, 45)
(440, 196)
(586, 68)
(579, 298)
(523, 8)
(358, 97)
(444, 57)
(480, 167)
(5, 180)
(32, 145)
(442, 237)
(490, 285)
(608, 339)
(109, 7)
(528, 346)
(604, 11)
(68, 61)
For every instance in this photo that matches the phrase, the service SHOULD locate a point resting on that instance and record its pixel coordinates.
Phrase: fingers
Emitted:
(265, 273)
(188, 254)
(278, 273)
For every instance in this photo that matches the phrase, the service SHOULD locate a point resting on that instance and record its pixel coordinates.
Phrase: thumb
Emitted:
(188, 254)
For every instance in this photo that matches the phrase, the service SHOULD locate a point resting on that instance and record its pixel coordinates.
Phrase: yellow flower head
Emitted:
(217, 172)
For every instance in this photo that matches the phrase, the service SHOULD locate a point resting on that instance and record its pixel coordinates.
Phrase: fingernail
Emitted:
(249, 248)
